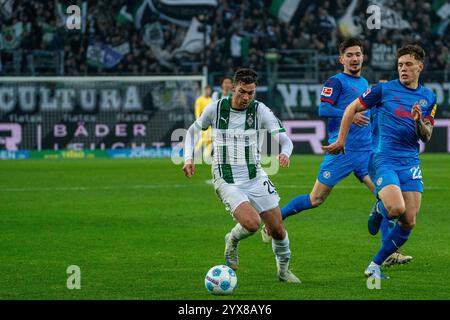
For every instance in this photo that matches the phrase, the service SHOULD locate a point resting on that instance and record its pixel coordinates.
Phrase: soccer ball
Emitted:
(221, 280)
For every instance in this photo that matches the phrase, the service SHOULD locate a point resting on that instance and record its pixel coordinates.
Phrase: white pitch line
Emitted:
(132, 187)
(206, 183)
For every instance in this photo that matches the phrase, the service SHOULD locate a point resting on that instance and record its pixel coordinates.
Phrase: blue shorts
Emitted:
(407, 176)
(335, 168)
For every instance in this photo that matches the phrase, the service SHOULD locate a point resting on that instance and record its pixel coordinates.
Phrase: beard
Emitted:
(354, 71)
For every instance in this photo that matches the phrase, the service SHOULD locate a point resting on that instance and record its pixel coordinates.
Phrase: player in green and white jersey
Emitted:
(239, 181)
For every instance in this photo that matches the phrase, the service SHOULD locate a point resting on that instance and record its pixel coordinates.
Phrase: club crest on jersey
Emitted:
(379, 181)
(327, 91)
(250, 121)
(422, 103)
(366, 93)
(327, 174)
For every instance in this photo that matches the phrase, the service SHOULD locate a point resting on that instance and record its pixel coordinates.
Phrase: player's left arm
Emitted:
(275, 127)
(286, 149)
(424, 125)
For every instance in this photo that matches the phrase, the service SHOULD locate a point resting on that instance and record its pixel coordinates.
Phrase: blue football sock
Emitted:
(396, 238)
(296, 205)
(386, 227)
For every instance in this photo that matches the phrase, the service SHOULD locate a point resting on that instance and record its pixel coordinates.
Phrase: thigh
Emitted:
(230, 195)
(261, 193)
(412, 207)
(385, 176)
(247, 216)
(335, 168)
(411, 179)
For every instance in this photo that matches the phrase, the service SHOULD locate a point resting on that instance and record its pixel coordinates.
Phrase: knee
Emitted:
(407, 225)
(396, 210)
(252, 224)
(317, 201)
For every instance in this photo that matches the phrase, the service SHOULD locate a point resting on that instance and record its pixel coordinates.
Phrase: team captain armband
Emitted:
(430, 115)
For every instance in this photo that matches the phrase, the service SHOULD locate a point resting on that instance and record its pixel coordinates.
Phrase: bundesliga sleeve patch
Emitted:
(327, 91)
(366, 93)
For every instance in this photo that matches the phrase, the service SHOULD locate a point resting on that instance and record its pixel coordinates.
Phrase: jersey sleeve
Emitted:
(431, 112)
(207, 117)
(327, 110)
(269, 121)
(331, 90)
(372, 96)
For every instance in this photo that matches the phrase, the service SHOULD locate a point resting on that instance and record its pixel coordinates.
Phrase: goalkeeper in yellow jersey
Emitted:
(205, 141)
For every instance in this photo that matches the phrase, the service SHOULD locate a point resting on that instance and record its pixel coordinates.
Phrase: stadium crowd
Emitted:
(241, 32)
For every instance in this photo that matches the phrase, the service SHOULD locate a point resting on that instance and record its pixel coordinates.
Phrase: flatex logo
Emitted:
(402, 113)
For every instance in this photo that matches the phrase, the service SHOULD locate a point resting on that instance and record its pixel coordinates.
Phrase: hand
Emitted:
(189, 168)
(335, 148)
(284, 160)
(416, 112)
(360, 120)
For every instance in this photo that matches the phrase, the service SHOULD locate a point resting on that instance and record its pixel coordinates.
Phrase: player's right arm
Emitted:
(368, 99)
(331, 91)
(202, 123)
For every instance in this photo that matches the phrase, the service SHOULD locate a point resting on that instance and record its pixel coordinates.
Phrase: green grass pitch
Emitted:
(138, 229)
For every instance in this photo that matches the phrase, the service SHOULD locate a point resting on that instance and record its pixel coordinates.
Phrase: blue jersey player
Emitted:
(381, 224)
(406, 111)
(338, 92)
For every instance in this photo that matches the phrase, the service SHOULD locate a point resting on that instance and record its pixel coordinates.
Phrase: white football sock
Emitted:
(239, 233)
(281, 249)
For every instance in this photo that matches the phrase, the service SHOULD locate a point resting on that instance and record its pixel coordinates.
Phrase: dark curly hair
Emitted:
(246, 76)
(351, 42)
